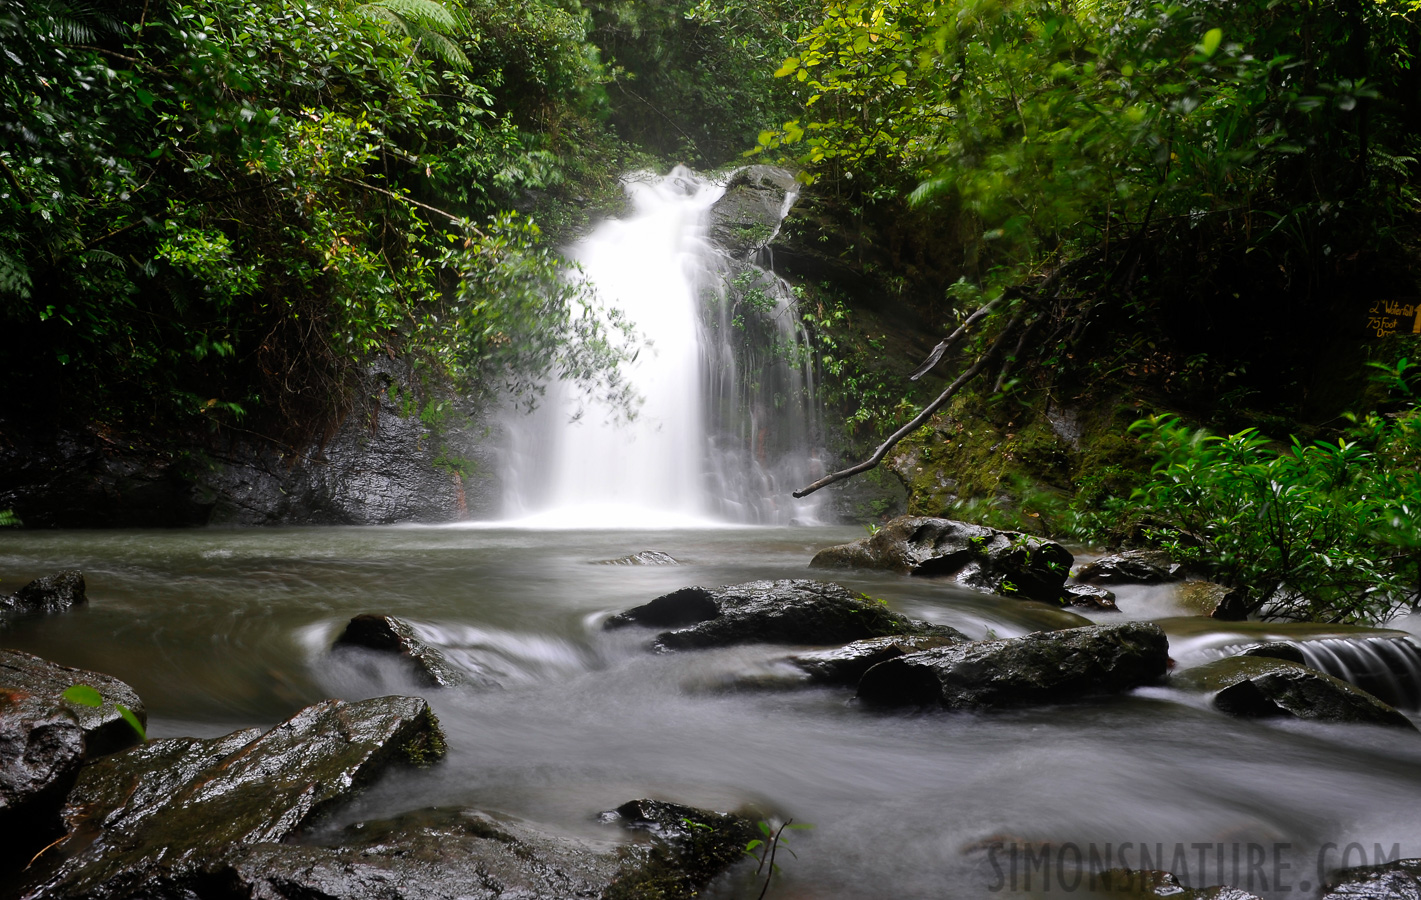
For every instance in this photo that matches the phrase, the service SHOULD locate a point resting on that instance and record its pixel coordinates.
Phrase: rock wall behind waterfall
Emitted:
(393, 467)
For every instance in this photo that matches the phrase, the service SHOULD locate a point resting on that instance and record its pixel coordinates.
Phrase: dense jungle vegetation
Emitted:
(213, 213)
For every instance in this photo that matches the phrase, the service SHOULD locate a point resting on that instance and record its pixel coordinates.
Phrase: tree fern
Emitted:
(427, 23)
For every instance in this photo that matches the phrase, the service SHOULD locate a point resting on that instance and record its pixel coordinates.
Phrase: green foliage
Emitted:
(1322, 531)
(84, 695)
(8, 519)
(765, 848)
(215, 208)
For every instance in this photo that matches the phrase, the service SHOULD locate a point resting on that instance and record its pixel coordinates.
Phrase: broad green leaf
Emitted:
(83, 695)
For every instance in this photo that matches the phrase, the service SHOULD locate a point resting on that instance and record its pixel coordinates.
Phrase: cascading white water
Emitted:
(697, 449)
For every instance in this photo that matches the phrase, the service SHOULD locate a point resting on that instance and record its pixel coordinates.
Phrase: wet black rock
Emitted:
(985, 559)
(1399, 880)
(44, 739)
(1130, 567)
(847, 664)
(1255, 686)
(748, 214)
(770, 612)
(50, 594)
(1046, 667)
(644, 558)
(1087, 596)
(155, 816)
(455, 854)
(387, 634)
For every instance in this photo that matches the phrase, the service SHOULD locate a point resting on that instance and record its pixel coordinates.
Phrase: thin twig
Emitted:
(913, 425)
(774, 846)
(457, 220)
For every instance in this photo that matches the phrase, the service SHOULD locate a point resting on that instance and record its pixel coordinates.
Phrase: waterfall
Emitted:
(726, 425)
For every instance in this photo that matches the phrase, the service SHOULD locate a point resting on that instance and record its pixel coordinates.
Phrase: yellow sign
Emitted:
(1386, 316)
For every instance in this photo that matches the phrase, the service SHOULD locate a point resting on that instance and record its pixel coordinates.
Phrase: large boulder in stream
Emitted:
(396, 637)
(1398, 880)
(771, 612)
(1257, 686)
(984, 559)
(1046, 667)
(44, 739)
(48, 594)
(149, 820)
(1130, 567)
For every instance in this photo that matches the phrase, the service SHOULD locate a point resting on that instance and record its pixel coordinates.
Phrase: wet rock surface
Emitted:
(985, 559)
(1253, 686)
(847, 664)
(1142, 884)
(1277, 650)
(770, 612)
(49, 594)
(1217, 601)
(748, 214)
(1399, 880)
(1130, 567)
(1088, 596)
(44, 739)
(159, 814)
(390, 635)
(644, 558)
(457, 854)
(1039, 668)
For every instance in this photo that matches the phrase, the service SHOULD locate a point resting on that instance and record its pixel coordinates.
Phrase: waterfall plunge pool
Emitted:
(220, 630)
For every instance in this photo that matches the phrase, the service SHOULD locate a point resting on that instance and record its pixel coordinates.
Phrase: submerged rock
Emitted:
(1399, 880)
(1130, 567)
(770, 612)
(1046, 667)
(644, 558)
(985, 559)
(1277, 650)
(50, 594)
(145, 820)
(1258, 686)
(1145, 884)
(387, 634)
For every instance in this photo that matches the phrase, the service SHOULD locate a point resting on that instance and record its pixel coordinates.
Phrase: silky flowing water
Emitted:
(220, 630)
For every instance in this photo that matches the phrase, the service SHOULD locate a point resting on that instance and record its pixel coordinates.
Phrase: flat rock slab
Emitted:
(1000, 562)
(50, 594)
(456, 854)
(161, 812)
(1400, 880)
(1046, 667)
(1260, 686)
(770, 612)
(388, 634)
(1088, 596)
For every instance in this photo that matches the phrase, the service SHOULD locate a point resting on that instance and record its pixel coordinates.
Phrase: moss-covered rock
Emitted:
(1002, 562)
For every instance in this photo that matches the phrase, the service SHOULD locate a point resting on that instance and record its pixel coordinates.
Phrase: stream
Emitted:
(220, 630)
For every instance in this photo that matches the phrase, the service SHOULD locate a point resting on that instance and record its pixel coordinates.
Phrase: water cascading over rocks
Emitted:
(727, 426)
